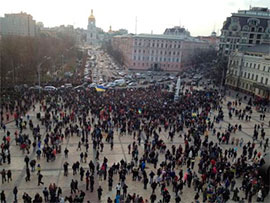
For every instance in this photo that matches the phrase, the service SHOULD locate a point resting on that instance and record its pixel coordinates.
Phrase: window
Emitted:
(252, 76)
(264, 68)
(245, 74)
(266, 81)
(261, 79)
(248, 75)
(256, 79)
(259, 66)
(254, 65)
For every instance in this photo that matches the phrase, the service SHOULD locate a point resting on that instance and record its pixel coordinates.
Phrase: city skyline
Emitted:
(200, 18)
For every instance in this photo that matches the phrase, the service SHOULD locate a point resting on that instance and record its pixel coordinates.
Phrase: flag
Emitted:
(100, 88)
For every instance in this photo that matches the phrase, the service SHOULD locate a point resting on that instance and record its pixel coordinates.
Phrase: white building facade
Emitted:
(249, 70)
(157, 52)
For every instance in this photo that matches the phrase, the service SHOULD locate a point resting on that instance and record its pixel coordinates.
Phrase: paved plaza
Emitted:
(53, 171)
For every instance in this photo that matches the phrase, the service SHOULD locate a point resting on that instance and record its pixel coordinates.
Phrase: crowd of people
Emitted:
(201, 163)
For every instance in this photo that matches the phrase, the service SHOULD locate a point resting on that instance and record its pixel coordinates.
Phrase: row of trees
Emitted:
(213, 61)
(115, 54)
(20, 56)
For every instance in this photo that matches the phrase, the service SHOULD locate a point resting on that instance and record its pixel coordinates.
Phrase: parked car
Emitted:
(92, 85)
(50, 88)
(111, 84)
(77, 88)
(145, 82)
(132, 84)
(68, 85)
(36, 88)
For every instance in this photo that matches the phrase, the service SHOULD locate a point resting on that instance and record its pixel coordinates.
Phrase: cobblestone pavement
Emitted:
(53, 171)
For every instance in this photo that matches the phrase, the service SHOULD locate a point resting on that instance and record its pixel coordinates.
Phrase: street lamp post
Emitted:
(46, 58)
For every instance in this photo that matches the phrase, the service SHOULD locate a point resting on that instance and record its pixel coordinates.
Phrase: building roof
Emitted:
(243, 21)
(256, 12)
(163, 37)
(262, 48)
(176, 30)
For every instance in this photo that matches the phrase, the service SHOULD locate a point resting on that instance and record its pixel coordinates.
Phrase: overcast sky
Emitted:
(200, 17)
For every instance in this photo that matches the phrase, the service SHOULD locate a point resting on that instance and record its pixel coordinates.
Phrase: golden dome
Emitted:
(91, 17)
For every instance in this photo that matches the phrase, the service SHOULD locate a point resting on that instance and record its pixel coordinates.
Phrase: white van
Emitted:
(50, 88)
(120, 82)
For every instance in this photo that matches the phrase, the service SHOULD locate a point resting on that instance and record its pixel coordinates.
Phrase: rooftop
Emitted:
(162, 37)
(255, 11)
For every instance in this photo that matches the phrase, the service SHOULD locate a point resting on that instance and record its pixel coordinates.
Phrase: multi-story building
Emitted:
(213, 40)
(249, 70)
(18, 24)
(92, 35)
(149, 51)
(245, 28)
